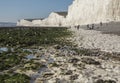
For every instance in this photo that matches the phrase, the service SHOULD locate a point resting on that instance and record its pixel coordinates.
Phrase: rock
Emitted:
(73, 60)
(74, 77)
(81, 66)
(90, 61)
(76, 69)
(105, 81)
(100, 81)
(40, 48)
(109, 81)
(57, 46)
(69, 72)
(54, 64)
(47, 74)
(61, 80)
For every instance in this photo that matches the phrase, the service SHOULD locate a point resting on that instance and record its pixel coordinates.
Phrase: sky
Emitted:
(13, 10)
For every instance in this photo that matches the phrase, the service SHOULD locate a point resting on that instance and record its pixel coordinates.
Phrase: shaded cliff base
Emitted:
(106, 28)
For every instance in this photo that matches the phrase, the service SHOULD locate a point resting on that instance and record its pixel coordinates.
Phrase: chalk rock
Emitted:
(81, 12)
(93, 11)
(55, 19)
(24, 22)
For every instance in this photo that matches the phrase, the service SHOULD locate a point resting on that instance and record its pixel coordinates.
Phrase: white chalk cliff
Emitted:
(83, 12)
(54, 19)
(24, 22)
(93, 11)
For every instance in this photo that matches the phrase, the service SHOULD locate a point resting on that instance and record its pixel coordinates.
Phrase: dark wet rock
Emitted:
(105, 56)
(114, 56)
(40, 48)
(109, 81)
(61, 81)
(79, 66)
(63, 71)
(100, 81)
(61, 54)
(69, 72)
(65, 47)
(105, 81)
(87, 52)
(95, 52)
(57, 46)
(73, 60)
(43, 68)
(54, 64)
(90, 61)
(47, 74)
(79, 51)
(74, 77)
(33, 65)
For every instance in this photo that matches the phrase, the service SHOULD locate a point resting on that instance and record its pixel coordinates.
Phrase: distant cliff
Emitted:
(81, 12)
(54, 19)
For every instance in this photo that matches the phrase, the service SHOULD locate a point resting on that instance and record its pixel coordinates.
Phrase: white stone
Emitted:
(93, 11)
(91, 39)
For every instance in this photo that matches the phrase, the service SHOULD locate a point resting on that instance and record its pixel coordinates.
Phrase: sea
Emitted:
(7, 24)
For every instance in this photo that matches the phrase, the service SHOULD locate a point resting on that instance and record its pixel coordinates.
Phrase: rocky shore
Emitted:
(66, 64)
(56, 59)
(92, 39)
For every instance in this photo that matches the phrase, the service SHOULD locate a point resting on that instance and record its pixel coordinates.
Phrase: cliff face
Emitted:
(24, 22)
(93, 11)
(36, 22)
(82, 12)
(114, 10)
(54, 19)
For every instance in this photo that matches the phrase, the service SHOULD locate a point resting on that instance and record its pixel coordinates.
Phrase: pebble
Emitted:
(69, 68)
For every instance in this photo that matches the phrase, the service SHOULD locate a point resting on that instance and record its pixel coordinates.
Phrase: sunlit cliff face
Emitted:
(82, 12)
(93, 11)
